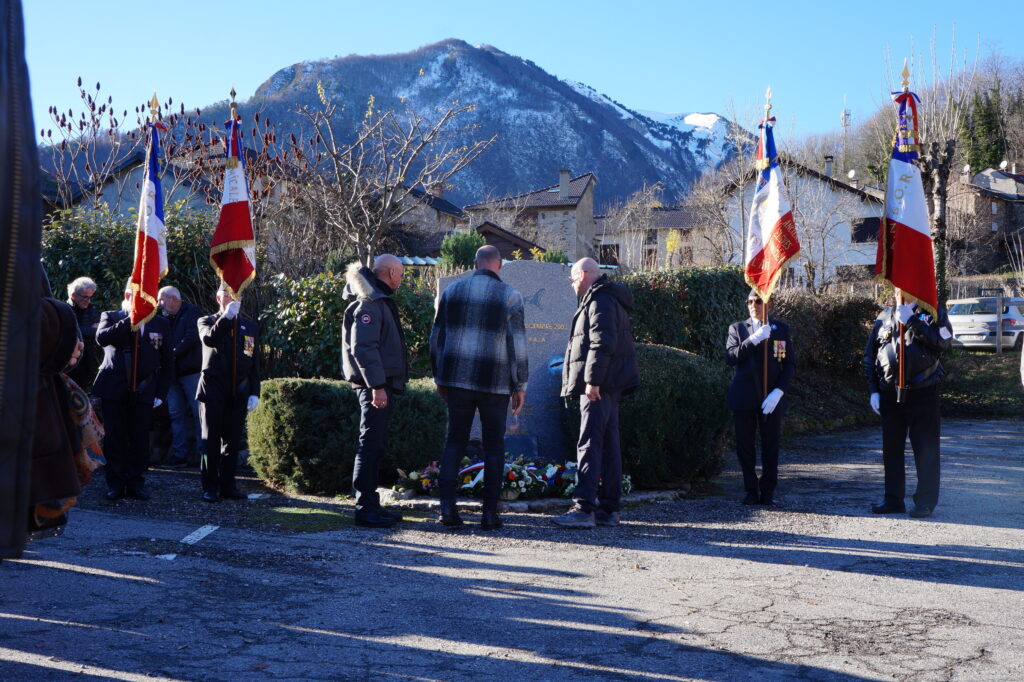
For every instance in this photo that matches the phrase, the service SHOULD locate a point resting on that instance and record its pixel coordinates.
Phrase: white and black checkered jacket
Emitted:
(478, 341)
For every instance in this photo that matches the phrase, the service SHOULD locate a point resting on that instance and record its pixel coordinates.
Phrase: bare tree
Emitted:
(823, 212)
(364, 183)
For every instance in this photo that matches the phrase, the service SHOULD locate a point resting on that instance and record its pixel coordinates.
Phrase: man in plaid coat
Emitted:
(478, 357)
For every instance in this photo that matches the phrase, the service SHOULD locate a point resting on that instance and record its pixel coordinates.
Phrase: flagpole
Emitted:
(764, 308)
(154, 105)
(901, 385)
(234, 325)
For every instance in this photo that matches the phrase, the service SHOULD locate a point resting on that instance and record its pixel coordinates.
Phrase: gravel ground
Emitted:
(694, 588)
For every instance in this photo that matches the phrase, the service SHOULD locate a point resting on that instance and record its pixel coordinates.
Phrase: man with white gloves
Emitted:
(757, 405)
(230, 354)
(912, 410)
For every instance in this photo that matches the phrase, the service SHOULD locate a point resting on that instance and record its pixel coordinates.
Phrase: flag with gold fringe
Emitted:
(233, 247)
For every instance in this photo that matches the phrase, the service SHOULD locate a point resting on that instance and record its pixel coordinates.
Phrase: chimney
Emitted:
(829, 159)
(563, 184)
(437, 190)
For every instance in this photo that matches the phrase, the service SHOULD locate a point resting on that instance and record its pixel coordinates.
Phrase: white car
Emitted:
(974, 322)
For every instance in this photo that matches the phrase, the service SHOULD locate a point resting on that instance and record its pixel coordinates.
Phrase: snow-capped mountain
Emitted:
(542, 123)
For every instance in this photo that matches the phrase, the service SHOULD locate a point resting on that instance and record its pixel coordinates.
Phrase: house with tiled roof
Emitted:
(990, 204)
(663, 236)
(560, 216)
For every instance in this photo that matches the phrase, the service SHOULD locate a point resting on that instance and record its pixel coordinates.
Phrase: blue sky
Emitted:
(663, 56)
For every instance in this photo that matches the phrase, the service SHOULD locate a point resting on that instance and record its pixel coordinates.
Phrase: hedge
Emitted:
(100, 244)
(674, 428)
(303, 435)
(302, 327)
(689, 308)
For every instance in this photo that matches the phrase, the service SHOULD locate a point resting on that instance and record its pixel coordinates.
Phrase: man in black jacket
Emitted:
(128, 413)
(374, 360)
(600, 367)
(229, 387)
(754, 404)
(913, 410)
(186, 430)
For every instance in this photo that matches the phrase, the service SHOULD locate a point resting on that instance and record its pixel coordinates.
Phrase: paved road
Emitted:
(693, 589)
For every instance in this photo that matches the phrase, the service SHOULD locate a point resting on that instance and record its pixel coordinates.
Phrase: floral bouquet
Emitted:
(424, 481)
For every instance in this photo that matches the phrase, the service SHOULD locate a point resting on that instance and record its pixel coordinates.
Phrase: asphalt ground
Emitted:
(698, 588)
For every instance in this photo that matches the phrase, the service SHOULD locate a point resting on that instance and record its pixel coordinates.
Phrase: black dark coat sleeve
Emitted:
(602, 336)
(870, 355)
(254, 368)
(112, 330)
(738, 349)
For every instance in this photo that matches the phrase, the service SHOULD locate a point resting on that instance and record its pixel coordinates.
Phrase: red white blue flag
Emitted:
(771, 234)
(150, 239)
(905, 257)
(233, 247)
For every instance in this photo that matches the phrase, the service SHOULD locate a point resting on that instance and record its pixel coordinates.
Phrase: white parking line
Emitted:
(196, 536)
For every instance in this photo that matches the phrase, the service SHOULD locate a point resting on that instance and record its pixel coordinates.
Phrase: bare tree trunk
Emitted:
(939, 164)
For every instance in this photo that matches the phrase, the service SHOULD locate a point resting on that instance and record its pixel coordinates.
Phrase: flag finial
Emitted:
(767, 102)
(234, 105)
(906, 76)
(154, 107)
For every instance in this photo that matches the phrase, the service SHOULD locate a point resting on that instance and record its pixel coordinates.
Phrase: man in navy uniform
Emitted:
(127, 413)
(229, 386)
(375, 361)
(916, 412)
(755, 405)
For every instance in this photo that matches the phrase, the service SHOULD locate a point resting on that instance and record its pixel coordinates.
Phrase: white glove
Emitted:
(763, 332)
(772, 401)
(876, 401)
(126, 305)
(905, 311)
(253, 402)
(157, 403)
(232, 310)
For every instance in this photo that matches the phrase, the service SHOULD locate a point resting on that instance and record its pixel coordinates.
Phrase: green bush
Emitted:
(303, 435)
(553, 256)
(99, 244)
(675, 426)
(688, 308)
(459, 249)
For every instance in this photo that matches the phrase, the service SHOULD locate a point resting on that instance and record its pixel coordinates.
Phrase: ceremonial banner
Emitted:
(905, 257)
(233, 247)
(150, 241)
(771, 234)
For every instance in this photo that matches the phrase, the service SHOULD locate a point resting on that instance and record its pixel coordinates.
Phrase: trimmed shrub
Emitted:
(552, 256)
(673, 428)
(303, 435)
(688, 308)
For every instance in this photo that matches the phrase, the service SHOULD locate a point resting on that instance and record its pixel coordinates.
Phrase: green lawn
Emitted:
(982, 384)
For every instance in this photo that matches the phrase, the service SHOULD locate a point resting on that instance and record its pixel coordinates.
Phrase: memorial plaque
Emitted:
(549, 304)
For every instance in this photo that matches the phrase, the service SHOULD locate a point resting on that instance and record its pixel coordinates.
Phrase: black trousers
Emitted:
(462, 405)
(126, 423)
(373, 446)
(223, 421)
(918, 417)
(598, 456)
(747, 422)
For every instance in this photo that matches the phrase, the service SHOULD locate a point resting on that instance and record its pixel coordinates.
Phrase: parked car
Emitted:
(974, 322)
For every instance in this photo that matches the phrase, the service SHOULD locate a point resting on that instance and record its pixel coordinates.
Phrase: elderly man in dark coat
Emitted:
(375, 361)
(600, 367)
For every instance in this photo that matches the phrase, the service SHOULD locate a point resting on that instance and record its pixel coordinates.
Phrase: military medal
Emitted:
(249, 346)
(780, 350)
(156, 339)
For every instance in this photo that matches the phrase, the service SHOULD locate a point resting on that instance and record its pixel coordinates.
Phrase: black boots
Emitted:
(490, 520)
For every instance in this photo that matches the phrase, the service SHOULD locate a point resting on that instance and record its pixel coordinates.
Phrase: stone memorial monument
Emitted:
(549, 304)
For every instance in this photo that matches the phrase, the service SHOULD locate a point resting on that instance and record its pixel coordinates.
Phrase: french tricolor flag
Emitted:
(150, 240)
(905, 257)
(771, 233)
(233, 247)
